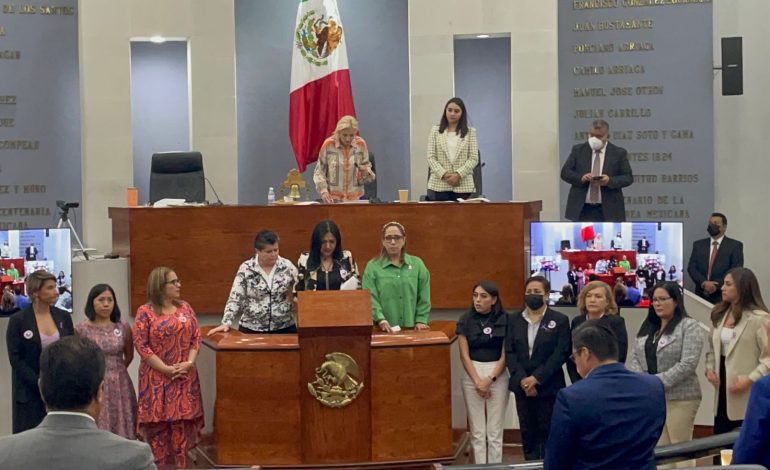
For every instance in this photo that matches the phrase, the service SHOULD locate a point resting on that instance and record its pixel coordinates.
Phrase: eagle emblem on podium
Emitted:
(336, 381)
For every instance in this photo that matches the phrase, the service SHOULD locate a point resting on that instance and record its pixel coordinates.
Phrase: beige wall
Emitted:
(741, 134)
(105, 30)
(534, 84)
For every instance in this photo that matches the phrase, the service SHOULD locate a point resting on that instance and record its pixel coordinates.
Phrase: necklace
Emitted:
(485, 328)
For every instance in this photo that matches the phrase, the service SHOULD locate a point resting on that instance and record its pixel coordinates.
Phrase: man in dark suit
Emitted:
(712, 258)
(598, 171)
(643, 245)
(611, 419)
(537, 345)
(71, 374)
(31, 252)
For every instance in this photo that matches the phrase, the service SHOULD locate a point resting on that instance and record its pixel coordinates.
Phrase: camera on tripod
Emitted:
(65, 206)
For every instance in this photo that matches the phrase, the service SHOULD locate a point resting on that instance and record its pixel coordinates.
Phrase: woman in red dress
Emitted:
(167, 338)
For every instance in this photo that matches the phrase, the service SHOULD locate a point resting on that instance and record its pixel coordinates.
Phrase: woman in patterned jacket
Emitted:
(452, 154)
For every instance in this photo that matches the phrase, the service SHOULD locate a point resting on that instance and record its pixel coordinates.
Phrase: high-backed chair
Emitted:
(370, 189)
(177, 175)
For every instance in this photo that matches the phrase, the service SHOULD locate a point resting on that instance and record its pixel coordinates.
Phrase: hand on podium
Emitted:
(421, 327)
(385, 326)
(219, 329)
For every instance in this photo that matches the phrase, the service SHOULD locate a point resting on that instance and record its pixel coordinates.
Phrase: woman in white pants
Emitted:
(481, 332)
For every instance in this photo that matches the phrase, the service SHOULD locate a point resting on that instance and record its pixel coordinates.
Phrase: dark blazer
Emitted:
(72, 441)
(610, 420)
(729, 256)
(550, 351)
(30, 253)
(616, 166)
(24, 348)
(643, 246)
(617, 325)
(751, 446)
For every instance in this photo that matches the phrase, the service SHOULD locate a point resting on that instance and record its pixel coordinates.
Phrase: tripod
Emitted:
(65, 219)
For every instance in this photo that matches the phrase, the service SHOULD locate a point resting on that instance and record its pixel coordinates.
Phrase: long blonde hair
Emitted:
(156, 284)
(612, 306)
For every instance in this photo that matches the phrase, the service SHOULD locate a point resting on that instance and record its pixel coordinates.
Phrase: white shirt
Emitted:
(452, 141)
(71, 413)
(601, 172)
(5, 251)
(531, 328)
(725, 336)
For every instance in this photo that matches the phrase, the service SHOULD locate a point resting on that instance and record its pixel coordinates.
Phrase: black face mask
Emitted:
(533, 301)
(713, 230)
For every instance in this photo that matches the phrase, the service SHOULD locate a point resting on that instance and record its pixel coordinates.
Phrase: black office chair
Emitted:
(477, 182)
(370, 189)
(177, 175)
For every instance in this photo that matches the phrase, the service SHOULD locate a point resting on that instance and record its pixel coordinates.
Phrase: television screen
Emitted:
(29, 250)
(630, 256)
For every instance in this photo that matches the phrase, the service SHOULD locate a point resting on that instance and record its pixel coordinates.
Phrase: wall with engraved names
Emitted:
(646, 68)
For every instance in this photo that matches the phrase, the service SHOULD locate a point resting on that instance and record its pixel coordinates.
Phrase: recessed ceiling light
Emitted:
(482, 36)
(158, 39)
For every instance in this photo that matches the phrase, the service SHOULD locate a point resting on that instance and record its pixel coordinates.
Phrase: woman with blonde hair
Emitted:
(399, 283)
(343, 165)
(597, 302)
(167, 338)
(737, 354)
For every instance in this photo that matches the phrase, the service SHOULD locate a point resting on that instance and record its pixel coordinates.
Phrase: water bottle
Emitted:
(270, 197)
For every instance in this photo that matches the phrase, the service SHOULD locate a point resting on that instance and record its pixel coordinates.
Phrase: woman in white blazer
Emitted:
(669, 345)
(737, 355)
(453, 153)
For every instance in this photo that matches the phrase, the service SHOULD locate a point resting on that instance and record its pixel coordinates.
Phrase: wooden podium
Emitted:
(339, 393)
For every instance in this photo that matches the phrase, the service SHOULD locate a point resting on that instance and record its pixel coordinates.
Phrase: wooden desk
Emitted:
(256, 395)
(460, 244)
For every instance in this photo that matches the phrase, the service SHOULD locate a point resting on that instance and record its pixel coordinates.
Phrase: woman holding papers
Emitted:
(343, 164)
(326, 266)
(452, 154)
(481, 335)
(399, 283)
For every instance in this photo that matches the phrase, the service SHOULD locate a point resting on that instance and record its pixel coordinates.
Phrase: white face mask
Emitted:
(595, 143)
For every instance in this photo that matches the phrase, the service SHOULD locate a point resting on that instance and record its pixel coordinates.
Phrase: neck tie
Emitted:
(593, 191)
(715, 247)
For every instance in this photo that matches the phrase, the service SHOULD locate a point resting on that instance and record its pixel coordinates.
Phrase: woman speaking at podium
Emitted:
(399, 283)
(343, 164)
(326, 266)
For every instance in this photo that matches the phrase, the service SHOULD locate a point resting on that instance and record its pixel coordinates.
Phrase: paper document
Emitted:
(350, 284)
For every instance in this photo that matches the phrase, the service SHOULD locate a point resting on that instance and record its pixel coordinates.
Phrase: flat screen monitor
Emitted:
(29, 250)
(636, 255)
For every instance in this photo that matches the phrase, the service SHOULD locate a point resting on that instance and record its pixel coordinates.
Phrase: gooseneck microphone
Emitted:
(219, 201)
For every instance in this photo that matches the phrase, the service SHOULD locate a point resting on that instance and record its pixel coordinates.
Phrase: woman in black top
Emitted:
(596, 301)
(537, 345)
(29, 331)
(326, 266)
(481, 334)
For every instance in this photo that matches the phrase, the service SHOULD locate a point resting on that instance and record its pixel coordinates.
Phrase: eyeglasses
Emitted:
(660, 300)
(572, 356)
(394, 238)
(176, 282)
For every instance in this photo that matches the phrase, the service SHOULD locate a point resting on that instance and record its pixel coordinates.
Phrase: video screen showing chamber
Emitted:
(629, 256)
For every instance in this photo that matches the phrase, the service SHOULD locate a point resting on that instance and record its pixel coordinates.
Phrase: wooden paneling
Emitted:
(411, 403)
(257, 410)
(320, 309)
(460, 243)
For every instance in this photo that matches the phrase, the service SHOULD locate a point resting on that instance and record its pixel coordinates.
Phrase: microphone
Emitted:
(219, 201)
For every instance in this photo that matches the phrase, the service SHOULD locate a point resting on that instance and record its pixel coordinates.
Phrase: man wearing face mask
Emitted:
(712, 257)
(537, 345)
(597, 171)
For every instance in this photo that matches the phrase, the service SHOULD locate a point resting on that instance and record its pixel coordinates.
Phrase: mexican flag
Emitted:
(320, 91)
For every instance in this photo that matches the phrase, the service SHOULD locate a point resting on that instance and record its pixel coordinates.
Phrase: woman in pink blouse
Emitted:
(103, 327)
